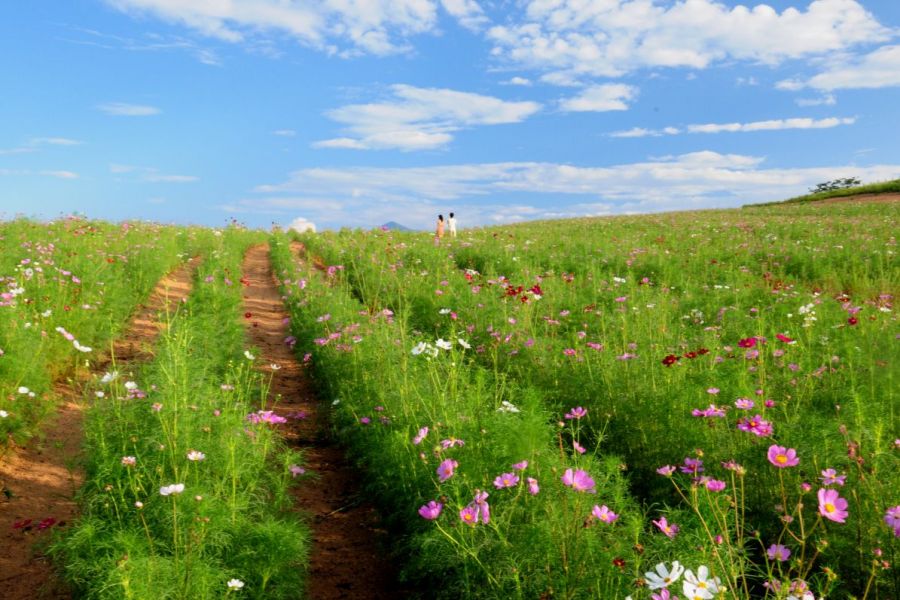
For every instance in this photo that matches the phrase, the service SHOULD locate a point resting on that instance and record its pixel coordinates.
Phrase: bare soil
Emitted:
(877, 198)
(41, 478)
(348, 558)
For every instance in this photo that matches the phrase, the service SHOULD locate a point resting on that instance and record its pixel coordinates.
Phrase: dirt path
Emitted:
(42, 478)
(347, 558)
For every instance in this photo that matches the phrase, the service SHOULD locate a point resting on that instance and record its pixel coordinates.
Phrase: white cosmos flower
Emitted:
(109, 376)
(700, 586)
(507, 407)
(175, 488)
(235, 584)
(275, 367)
(3, 414)
(130, 385)
(663, 576)
(24, 390)
(419, 348)
(195, 455)
(444, 311)
(248, 355)
(443, 344)
(81, 348)
(99, 394)
(464, 343)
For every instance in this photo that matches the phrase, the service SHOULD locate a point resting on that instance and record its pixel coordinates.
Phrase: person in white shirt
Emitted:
(452, 223)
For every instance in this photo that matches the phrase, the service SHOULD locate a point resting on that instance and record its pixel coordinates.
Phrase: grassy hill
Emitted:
(884, 187)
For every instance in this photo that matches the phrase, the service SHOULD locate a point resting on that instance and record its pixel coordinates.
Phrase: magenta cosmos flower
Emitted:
(431, 511)
(782, 457)
(445, 469)
(533, 487)
(832, 506)
(892, 518)
(420, 436)
(670, 529)
(830, 477)
(579, 481)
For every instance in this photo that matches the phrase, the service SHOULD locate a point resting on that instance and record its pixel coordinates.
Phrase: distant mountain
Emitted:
(395, 226)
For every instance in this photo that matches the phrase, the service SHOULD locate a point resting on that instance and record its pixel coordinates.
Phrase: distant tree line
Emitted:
(835, 184)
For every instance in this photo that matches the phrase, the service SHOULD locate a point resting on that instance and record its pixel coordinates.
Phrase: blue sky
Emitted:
(357, 112)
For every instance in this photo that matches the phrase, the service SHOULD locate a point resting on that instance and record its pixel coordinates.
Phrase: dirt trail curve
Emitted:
(43, 477)
(347, 560)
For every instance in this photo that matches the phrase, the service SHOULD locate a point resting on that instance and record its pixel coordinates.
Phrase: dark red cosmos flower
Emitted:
(702, 351)
(690, 355)
(619, 562)
(853, 320)
(247, 315)
(783, 338)
(747, 342)
(22, 524)
(536, 289)
(670, 360)
(46, 523)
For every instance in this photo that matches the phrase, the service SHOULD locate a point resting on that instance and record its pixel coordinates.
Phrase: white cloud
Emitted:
(517, 81)
(826, 100)
(302, 225)
(601, 98)
(769, 125)
(468, 12)
(284, 132)
(878, 69)
(420, 118)
(334, 26)
(610, 38)
(54, 141)
(122, 109)
(60, 174)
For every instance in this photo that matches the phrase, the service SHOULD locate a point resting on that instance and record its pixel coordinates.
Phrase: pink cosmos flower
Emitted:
(469, 515)
(832, 506)
(744, 403)
(755, 425)
(782, 457)
(420, 436)
(670, 529)
(520, 466)
(666, 471)
(715, 485)
(604, 514)
(445, 469)
(579, 481)
(569, 352)
(664, 594)
(576, 413)
(507, 480)
(578, 447)
(296, 470)
(431, 511)
(778, 552)
(533, 487)
(830, 477)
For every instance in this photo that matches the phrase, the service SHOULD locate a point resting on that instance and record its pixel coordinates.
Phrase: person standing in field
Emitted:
(440, 227)
(452, 223)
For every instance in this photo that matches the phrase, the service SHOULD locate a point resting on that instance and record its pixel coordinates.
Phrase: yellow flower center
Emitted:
(701, 585)
(829, 507)
(781, 459)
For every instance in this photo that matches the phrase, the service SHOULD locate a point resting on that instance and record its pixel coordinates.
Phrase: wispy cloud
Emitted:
(35, 143)
(379, 27)
(123, 109)
(420, 118)
(284, 132)
(601, 98)
(150, 174)
(878, 69)
(769, 125)
(150, 42)
(368, 196)
(56, 174)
